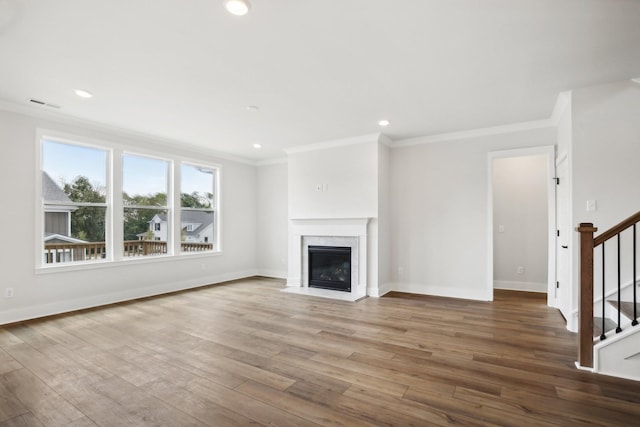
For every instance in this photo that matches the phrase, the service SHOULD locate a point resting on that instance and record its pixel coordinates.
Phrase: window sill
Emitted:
(94, 265)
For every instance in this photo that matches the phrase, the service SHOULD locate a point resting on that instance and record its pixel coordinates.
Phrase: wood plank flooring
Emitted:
(244, 353)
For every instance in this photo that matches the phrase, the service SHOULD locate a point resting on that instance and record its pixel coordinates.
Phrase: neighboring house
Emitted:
(57, 212)
(57, 223)
(196, 226)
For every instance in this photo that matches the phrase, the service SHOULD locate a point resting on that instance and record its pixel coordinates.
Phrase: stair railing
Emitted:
(587, 246)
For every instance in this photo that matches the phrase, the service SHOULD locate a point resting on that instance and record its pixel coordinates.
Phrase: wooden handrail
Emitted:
(616, 229)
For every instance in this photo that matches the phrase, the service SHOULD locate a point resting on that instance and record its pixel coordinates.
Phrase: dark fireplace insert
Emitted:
(330, 268)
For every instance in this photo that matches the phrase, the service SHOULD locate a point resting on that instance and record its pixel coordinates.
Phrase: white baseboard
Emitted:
(380, 290)
(42, 310)
(480, 293)
(572, 322)
(274, 274)
(520, 286)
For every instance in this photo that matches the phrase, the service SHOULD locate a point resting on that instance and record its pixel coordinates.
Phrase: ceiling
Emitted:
(317, 69)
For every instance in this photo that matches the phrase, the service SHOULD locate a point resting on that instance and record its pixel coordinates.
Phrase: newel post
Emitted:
(585, 313)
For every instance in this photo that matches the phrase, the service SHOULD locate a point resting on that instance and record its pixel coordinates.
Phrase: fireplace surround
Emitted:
(334, 232)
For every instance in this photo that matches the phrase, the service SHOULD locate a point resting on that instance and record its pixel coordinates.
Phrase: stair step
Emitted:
(626, 307)
(597, 326)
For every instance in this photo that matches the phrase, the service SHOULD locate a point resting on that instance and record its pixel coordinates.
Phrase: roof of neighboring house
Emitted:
(51, 192)
(203, 218)
(57, 238)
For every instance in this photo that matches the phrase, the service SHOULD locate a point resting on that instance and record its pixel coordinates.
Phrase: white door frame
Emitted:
(548, 151)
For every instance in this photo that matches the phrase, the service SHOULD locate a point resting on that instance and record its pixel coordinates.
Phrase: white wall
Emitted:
(42, 293)
(350, 174)
(520, 231)
(384, 220)
(606, 149)
(439, 211)
(272, 220)
(605, 159)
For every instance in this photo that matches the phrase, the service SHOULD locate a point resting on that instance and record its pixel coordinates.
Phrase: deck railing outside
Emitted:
(55, 253)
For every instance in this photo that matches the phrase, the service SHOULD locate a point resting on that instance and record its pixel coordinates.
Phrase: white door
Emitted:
(563, 239)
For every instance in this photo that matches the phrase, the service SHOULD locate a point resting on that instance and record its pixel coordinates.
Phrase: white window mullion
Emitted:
(117, 207)
(40, 215)
(217, 186)
(174, 203)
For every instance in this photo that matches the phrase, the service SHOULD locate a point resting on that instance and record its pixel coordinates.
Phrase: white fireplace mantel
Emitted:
(307, 228)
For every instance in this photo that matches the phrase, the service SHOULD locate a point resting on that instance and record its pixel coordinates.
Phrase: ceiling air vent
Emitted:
(47, 104)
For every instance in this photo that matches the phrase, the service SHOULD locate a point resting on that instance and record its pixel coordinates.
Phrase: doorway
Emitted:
(522, 221)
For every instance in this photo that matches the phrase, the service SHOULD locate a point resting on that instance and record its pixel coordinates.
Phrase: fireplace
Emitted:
(349, 233)
(330, 267)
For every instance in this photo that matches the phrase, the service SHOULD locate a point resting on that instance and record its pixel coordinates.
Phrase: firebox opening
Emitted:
(330, 268)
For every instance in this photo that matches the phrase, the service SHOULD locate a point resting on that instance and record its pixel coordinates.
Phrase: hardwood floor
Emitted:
(244, 353)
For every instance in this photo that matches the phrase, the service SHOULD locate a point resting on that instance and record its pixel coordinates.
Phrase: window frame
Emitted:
(114, 220)
(41, 205)
(215, 208)
(168, 207)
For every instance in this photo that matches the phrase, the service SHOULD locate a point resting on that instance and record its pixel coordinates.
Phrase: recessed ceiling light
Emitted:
(384, 123)
(83, 93)
(237, 7)
(256, 145)
(253, 108)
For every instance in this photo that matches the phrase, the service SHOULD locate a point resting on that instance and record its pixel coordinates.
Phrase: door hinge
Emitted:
(557, 285)
(558, 233)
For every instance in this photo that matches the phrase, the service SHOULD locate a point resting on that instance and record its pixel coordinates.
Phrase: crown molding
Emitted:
(562, 103)
(146, 138)
(269, 162)
(385, 140)
(372, 137)
(474, 133)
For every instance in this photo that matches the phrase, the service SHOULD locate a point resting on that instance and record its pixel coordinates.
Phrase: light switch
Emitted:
(501, 229)
(592, 206)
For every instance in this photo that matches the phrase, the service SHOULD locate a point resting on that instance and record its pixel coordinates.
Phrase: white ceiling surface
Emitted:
(318, 69)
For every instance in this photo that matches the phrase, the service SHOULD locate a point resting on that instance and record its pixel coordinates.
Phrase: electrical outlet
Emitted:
(8, 293)
(520, 270)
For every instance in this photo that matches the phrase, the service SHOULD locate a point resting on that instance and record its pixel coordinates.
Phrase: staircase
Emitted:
(610, 340)
(624, 315)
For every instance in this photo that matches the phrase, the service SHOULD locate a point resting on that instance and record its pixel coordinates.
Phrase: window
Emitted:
(74, 202)
(145, 181)
(198, 208)
(78, 193)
